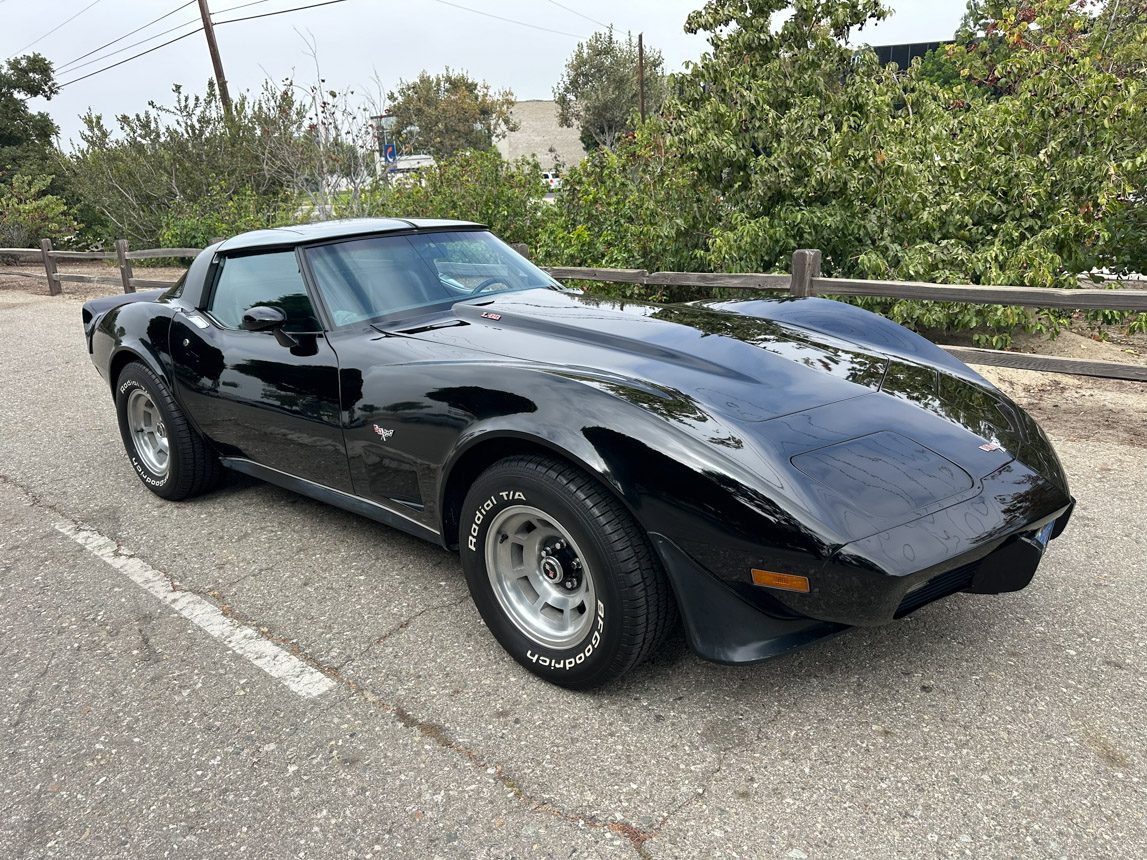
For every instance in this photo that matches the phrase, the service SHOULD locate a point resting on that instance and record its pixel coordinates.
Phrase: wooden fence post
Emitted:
(522, 248)
(49, 267)
(124, 265)
(806, 266)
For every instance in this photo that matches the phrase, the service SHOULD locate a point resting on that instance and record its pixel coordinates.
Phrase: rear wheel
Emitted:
(168, 455)
(561, 574)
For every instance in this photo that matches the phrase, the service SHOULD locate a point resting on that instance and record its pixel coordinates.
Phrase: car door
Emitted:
(265, 396)
(406, 400)
(388, 433)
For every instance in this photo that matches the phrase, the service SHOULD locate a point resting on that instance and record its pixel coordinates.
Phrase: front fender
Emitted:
(674, 482)
(679, 470)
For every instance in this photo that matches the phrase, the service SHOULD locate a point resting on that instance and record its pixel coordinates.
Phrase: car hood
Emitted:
(782, 401)
(750, 368)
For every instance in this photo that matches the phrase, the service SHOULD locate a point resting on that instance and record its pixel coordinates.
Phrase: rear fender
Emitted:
(94, 309)
(133, 331)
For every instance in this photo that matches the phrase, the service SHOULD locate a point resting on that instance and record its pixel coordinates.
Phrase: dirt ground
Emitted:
(1078, 408)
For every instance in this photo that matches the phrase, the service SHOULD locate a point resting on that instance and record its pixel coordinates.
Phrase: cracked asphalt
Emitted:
(1008, 726)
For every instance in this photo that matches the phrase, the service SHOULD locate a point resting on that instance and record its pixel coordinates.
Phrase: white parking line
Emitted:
(244, 641)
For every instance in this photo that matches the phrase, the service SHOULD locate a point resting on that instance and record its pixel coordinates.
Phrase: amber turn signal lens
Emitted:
(785, 581)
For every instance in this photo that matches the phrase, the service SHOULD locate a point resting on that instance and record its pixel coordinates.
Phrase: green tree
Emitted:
(29, 213)
(478, 185)
(449, 113)
(787, 125)
(1045, 156)
(26, 136)
(1023, 169)
(190, 170)
(598, 91)
(633, 206)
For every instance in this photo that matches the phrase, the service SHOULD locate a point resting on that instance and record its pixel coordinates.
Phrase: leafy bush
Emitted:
(171, 168)
(635, 206)
(1019, 157)
(196, 225)
(478, 185)
(28, 214)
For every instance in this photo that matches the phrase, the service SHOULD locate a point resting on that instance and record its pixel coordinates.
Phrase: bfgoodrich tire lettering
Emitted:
(561, 574)
(168, 455)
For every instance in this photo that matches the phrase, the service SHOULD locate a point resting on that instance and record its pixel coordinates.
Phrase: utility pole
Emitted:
(641, 76)
(213, 47)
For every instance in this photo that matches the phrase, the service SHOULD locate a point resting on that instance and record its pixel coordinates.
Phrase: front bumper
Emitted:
(729, 624)
(723, 627)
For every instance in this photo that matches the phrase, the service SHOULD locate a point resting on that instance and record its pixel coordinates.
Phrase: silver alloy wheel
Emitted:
(540, 577)
(148, 432)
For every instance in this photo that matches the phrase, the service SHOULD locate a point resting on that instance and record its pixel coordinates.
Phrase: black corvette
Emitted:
(769, 471)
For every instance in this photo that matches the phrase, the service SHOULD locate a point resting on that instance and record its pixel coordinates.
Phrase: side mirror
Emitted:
(267, 318)
(262, 318)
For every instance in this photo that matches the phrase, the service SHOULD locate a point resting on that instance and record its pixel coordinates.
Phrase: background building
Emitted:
(541, 136)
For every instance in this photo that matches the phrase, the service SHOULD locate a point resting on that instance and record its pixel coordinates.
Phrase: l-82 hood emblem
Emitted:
(383, 432)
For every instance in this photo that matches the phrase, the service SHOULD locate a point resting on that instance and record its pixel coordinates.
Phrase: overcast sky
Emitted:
(358, 39)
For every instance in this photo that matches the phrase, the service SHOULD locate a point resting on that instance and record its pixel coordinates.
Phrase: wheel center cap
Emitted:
(551, 569)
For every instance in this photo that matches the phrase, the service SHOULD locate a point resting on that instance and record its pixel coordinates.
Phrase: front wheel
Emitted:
(168, 455)
(561, 574)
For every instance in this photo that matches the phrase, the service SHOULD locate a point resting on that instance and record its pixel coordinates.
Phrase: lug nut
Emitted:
(569, 583)
(577, 564)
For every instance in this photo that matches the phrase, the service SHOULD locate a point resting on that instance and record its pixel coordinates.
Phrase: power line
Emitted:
(579, 14)
(57, 27)
(129, 59)
(149, 38)
(278, 12)
(75, 68)
(198, 29)
(444, 2)
(241, 6)
(124, 36)
(507, 20)
(252, 17)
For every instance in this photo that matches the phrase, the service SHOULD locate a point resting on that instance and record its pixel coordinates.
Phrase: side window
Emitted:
(262, 279)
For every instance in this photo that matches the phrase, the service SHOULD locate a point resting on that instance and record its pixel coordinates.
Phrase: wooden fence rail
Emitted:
(805, 280)
(49, 258)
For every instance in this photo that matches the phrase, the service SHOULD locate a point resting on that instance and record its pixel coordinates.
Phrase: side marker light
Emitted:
(783, 581)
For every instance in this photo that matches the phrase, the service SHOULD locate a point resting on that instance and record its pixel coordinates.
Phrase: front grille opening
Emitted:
(947, 583)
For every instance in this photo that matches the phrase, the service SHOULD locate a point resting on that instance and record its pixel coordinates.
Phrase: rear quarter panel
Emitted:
(135, 331)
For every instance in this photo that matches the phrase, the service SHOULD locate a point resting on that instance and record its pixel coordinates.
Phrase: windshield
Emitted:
(385, 277)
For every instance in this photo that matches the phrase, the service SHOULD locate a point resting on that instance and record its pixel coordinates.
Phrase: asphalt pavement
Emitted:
(158, 658)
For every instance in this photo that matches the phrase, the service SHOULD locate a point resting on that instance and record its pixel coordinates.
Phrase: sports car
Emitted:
(763, 472)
